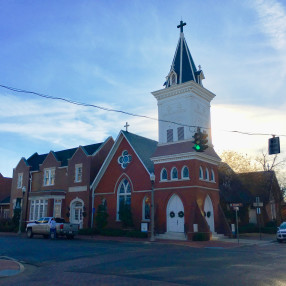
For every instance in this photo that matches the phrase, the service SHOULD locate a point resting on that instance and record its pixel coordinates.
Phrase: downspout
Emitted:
(92, 206)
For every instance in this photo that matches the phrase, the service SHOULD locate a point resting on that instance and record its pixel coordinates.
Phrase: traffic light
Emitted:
(273, 145)
(200, 141)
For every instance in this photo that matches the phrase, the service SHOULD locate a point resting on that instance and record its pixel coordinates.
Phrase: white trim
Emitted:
(181, 56)
(185, 156)
(207, 174)
(186, 87)
(187, 187)
(161, 175)
(174, 179)
(110, 157)
(212, 175)
(41, 197)
(182, 173)
(201, 173)
(143, 191)
(77, 189)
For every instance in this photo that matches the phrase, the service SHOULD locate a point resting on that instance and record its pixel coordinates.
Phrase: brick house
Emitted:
(5, 190)
(58, 183)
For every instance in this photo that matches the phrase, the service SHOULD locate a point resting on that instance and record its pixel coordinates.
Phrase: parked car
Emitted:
(42, 227)
(281, 232)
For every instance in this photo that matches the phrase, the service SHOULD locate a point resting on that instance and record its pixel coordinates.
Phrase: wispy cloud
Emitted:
(272, 17)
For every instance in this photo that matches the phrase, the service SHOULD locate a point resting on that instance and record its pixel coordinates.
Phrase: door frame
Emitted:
(167, 214)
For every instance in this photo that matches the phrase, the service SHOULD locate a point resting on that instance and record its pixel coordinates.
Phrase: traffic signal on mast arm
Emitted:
(200, 141)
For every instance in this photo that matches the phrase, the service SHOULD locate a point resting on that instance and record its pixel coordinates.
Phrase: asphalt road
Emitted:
(82, 262)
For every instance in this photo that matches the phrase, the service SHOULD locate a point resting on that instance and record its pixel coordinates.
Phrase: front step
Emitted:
(172, 236)
(217, 236)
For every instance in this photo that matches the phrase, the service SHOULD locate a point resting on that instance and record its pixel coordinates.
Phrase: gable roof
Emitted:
(183, 65)
(63, 156)
(231, 188)
(261, 184)
(143, 147)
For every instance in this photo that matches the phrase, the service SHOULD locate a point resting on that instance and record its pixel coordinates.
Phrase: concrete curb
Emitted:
(10, 267)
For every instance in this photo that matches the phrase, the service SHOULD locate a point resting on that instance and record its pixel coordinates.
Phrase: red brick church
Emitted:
(73, 183)
(186, 191)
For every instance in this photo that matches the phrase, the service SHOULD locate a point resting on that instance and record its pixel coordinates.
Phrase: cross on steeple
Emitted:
(182, 24)
(126, 126)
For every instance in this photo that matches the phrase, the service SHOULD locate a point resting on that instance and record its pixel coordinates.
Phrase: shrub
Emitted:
(88, 231)
(123, 233)
(271, 230)
(125, 214)
(7, 225)
(101, 217)
(272, 223)
(201, 236)
(248, 228)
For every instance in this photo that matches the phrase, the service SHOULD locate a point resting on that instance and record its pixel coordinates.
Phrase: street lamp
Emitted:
(21, 213)
(152, 179)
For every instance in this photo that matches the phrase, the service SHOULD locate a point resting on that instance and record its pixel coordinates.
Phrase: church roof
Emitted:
(144, 148)
(183, 64)
(63, 156)
(181, 148)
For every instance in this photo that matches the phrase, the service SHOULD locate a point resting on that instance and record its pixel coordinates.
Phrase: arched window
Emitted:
(164, 175)
(212, 175)
(174, 173)
(146, 208)
(185, 173)
(123, 196)
(201, 173)
(207, 175)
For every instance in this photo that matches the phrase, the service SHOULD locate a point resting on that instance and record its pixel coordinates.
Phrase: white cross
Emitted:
(126, 126)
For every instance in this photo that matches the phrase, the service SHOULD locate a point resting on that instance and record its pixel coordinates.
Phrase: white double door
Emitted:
(209, 213)
(175, 215)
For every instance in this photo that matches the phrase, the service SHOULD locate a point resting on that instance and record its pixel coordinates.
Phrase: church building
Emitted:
(186, 190)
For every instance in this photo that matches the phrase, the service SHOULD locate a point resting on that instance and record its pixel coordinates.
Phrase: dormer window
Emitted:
(173, 78)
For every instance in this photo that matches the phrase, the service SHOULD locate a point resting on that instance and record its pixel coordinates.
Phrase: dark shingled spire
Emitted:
(183, 68)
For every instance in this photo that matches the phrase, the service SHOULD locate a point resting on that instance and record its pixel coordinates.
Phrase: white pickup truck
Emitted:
(42, 227)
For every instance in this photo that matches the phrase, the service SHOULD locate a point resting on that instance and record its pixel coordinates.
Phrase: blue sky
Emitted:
(115, 53)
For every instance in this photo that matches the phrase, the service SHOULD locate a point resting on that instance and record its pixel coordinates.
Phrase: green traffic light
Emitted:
(198, 147)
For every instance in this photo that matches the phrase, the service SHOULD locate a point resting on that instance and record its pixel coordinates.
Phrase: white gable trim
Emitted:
(110, 157)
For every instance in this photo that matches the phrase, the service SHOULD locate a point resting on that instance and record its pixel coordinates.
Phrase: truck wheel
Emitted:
(279, 240)
(29, 233)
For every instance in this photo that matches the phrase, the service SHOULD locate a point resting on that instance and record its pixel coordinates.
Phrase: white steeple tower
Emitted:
(184, 104)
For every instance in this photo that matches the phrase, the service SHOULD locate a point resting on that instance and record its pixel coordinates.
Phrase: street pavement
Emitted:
(10, 267)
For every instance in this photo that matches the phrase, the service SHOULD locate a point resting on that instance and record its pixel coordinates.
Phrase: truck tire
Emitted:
(29, 233)
(279, 240)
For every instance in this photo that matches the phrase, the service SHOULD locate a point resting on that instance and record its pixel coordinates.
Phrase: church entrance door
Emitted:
(175, 215)
(209, 213)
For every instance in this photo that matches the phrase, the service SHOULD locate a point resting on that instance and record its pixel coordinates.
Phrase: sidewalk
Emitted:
(9, 267)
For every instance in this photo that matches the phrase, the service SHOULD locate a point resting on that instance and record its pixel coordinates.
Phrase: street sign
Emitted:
(236, 205)
(236, 208)
(258, 205)
(258, 210)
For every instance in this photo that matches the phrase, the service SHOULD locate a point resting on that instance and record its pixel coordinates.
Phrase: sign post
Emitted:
(236, 208)
(258, 205)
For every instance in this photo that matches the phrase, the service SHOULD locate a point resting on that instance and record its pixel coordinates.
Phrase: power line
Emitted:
(122, 111)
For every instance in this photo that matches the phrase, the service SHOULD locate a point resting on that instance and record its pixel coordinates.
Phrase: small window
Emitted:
(78, 173)
(20, 181)
(180, 133)
(170, 135)
(174, 174)
(212, 175)
(201, 173)
(164, 175)
(207, 174)
(185, 173)
(49, 176)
